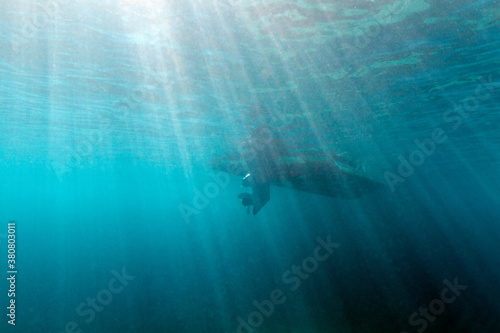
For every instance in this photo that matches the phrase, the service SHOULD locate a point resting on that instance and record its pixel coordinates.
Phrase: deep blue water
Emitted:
(112, 111)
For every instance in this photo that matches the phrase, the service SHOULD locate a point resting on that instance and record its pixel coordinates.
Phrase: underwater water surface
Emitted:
(113, 115)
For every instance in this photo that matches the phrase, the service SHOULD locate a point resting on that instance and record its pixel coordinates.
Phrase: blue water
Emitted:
(112, 111)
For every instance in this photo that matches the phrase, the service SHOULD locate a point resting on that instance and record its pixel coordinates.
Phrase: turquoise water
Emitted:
(113, 112)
